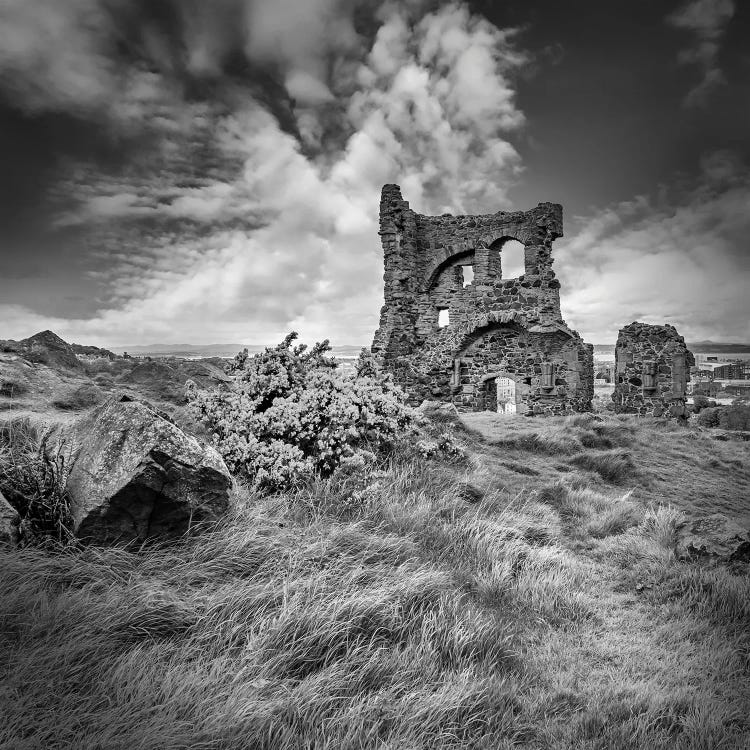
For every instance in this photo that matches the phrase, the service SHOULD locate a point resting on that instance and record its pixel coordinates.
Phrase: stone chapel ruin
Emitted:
(652, 369)
(504, 346)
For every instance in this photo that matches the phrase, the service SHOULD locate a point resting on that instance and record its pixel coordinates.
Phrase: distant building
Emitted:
(732, 371)
(701, 375)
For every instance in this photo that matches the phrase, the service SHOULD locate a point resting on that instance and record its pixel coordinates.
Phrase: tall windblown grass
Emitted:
(34, 469)
(253, 636)
(416, 604)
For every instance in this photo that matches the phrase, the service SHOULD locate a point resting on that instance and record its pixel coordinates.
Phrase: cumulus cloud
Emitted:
(706, 20)
(674, 258)
(239, 227)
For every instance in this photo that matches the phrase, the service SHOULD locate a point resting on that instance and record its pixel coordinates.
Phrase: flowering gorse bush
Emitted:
(289, 414)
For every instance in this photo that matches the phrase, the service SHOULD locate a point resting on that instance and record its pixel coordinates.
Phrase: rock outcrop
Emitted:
(47, 348)
(137, 476)
(716, 537)
(9, 520)
(92, 351)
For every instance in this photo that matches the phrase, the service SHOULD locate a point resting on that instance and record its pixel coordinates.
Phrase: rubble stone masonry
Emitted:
(506, 346)
(652, 370)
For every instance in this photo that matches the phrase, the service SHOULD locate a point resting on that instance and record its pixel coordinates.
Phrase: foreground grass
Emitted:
(432, 604)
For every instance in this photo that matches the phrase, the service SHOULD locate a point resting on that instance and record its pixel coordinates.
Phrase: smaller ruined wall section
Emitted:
(396, 335)
(652, 369)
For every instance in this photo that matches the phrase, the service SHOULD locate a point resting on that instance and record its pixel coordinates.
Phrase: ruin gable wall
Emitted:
(494, 324)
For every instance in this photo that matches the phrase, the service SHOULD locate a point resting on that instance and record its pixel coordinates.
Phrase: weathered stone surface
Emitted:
(136, 475)
(507, 331)
(9, 520)
(652, 369)
(714, 536)
(45, 347)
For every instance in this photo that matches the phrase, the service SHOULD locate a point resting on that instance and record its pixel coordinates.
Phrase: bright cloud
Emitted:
(273, 234)
(680, 259)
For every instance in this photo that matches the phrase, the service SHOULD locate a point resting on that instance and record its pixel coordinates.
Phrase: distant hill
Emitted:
(216, 350)
(706, 347)
(713, 346)
(190, 350)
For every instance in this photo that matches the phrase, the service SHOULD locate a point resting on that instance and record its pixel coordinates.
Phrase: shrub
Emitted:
(700, 403)
(709, 417)
(34, 472)
(289, 414)
(735, 417)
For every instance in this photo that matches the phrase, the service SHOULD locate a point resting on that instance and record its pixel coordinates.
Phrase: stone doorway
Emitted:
(507, 402)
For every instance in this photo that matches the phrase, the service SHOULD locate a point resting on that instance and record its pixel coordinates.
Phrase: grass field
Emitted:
(526, 596)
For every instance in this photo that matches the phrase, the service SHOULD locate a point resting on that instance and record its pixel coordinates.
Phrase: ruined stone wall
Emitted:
(495, 325)
(652, 369)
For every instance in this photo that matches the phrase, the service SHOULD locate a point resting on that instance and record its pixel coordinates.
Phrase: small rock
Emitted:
(432, 406)
(714, 536)
(735, 435)
(469, 493)
(9, 520)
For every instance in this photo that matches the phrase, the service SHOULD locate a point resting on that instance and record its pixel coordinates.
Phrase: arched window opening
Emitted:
(468, 274)
(443, 317)
(512, 259)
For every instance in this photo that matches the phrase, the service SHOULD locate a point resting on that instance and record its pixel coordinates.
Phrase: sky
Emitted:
(208, 171)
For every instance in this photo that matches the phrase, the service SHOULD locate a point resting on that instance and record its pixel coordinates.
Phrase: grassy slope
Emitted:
(518, 600)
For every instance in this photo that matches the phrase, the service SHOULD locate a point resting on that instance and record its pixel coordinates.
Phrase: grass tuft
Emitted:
(34, 469)
(614, 466)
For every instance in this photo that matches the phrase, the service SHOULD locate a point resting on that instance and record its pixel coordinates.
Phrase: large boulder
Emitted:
(9, 520)
(136, 475)
(714, 537)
